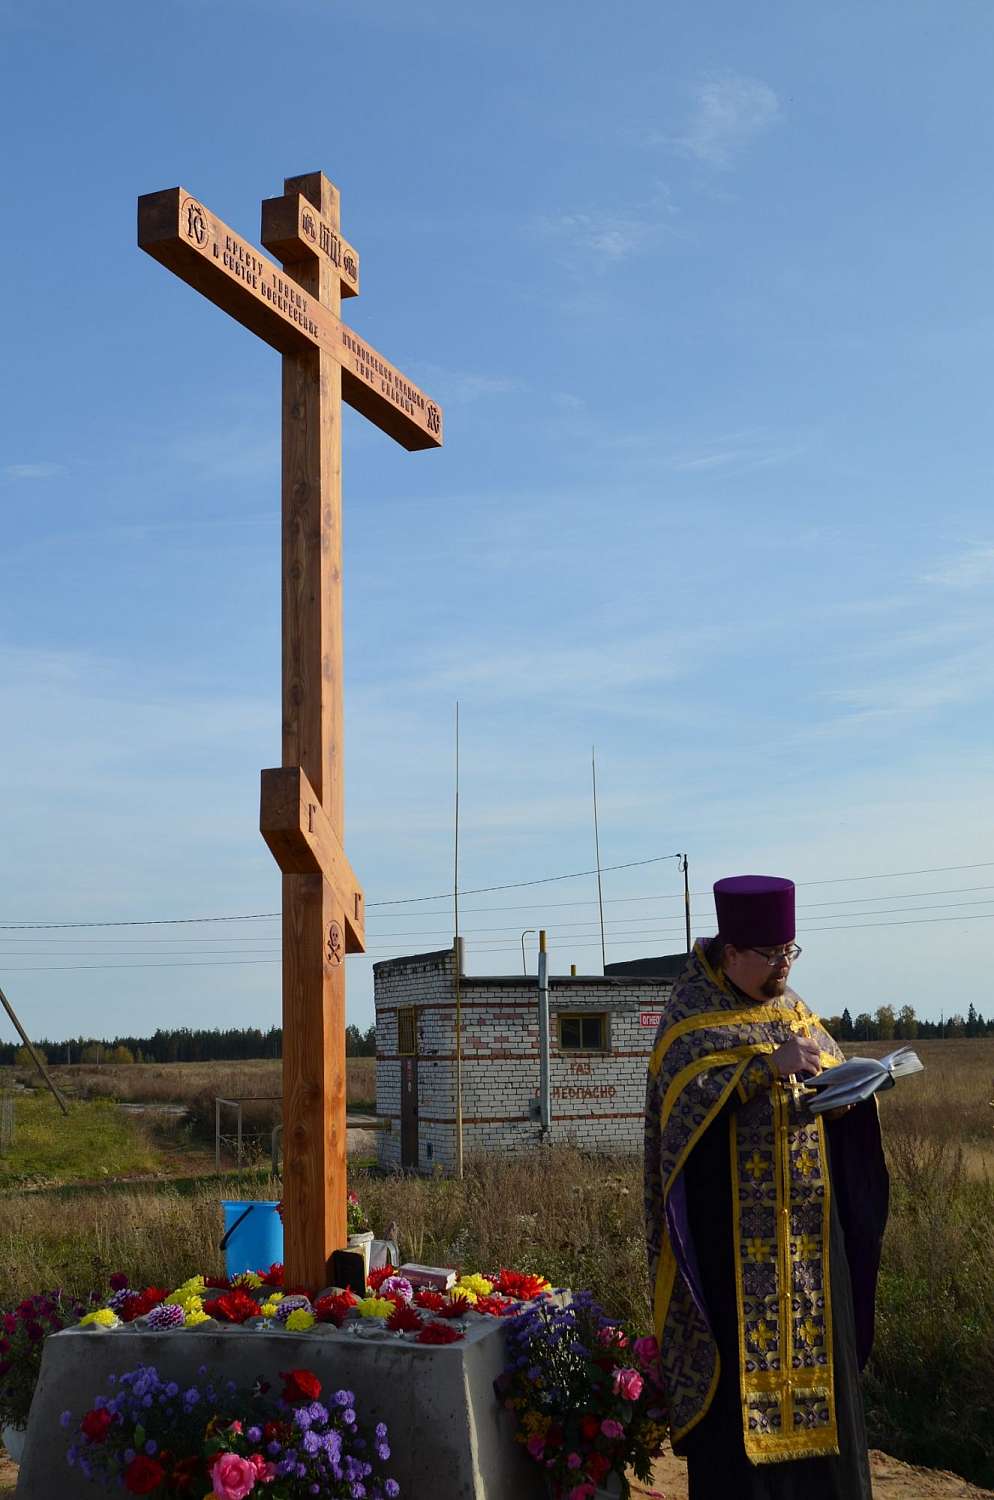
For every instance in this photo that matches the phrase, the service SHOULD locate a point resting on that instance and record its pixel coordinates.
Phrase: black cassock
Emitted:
(717, 1466)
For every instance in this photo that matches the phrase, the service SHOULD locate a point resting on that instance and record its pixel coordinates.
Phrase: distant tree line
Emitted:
(890, 1025)
(182, 1044)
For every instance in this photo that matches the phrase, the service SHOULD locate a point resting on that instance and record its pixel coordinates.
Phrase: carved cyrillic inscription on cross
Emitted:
(295, 307)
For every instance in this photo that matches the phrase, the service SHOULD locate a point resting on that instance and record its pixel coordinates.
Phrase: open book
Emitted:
(858, 1078)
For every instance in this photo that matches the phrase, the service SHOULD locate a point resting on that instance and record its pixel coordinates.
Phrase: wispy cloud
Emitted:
(728, 112)
(601, 241)
(974, 566)
(35, 471)
(460, 387)
(735, 451)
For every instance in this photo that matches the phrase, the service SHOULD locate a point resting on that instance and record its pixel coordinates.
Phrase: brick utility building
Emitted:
(601, 1033)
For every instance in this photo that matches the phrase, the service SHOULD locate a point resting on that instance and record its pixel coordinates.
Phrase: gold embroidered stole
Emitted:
(781, 1217)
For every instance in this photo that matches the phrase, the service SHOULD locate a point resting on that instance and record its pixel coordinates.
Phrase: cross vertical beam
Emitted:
(314, 1140)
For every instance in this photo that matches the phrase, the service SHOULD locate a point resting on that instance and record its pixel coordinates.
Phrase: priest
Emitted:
(763, 1223)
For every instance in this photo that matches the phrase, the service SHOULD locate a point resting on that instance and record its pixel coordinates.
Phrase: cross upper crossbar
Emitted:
(292, 228)
(175, 229)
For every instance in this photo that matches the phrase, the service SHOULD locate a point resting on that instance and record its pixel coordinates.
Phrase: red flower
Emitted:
(183, 1475)
(332, 1309)
(274, 1276)
(139, 1303)
(494, 1307)
(519, 1284)
(223, 1283)
(438, 1333)
(143, 1475)
(95, 1424)
(379, 1275)
(457, 1309)
(404, 1320)
(232, 1307)
(118, 1281)
(300, 1385)
(275, 1431)
(426, 1297)
(590, 1426)
(597, 1466)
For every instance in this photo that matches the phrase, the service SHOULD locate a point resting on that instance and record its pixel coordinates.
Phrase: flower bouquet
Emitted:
(152, 1438)
(585, 1396)
(22, 1339)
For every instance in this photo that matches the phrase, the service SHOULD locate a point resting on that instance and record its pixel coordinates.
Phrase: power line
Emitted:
(628, 927)
(579, 941)
(513, 885)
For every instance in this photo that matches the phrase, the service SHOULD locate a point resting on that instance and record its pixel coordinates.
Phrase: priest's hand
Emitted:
(801, 1054)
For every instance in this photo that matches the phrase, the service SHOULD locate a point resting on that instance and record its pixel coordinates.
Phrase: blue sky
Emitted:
(706, 294)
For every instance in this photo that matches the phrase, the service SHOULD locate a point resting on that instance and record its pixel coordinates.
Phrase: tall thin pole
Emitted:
(35, 1055)
(457, 957)
(545, 1107)
(686, 895)
(597, 848)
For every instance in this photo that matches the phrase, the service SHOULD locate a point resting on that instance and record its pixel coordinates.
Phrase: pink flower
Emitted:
(233, 1477)
(628, 1384)
(646, 1352)
(611, 1428)
(612, 1337)
(265, 1470)
(536, 1446)
(573, 1461)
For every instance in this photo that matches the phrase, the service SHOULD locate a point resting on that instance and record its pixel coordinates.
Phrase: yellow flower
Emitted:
(247, 1278)
(268, 1309)
(476, 1283)
(300, 1320)
(194, 1317)
(463, 1293)
(104, 1317)
(188, 1301)
(275, 1297)
(189, 1294)
(374, 1307)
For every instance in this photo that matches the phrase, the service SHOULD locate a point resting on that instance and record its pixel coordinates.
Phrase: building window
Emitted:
(407, 1035)
(583, 1033)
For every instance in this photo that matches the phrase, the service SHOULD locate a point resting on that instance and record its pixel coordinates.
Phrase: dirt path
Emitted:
(892, 1480)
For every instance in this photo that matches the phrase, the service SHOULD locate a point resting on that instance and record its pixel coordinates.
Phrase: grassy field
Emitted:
(95, 1141)
(579, 1221)
(184, 1083)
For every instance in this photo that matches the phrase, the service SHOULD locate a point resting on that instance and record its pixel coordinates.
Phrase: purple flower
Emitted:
(65, 1419)
(381, 1429)
(391, 1488)
(166, 1315)
(254, 1434)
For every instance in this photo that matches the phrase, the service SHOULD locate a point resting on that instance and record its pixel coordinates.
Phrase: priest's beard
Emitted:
(774, 987)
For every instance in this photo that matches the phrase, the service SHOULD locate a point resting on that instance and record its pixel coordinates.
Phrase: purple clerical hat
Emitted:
(755, 911)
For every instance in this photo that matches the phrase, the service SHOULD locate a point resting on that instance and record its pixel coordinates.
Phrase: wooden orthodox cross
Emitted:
(296, 309)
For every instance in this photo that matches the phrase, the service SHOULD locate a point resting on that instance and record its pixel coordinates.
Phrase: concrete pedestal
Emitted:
(449, 1437)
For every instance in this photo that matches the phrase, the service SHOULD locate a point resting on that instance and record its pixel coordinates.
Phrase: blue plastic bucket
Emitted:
(253, 1236)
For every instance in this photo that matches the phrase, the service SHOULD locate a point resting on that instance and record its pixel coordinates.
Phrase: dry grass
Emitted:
(182, 1083)
(950, 1102)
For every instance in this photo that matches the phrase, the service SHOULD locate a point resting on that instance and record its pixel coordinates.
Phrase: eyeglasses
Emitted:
(774, 956)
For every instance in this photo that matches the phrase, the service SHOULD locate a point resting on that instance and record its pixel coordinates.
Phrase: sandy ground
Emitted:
(891, 1481)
